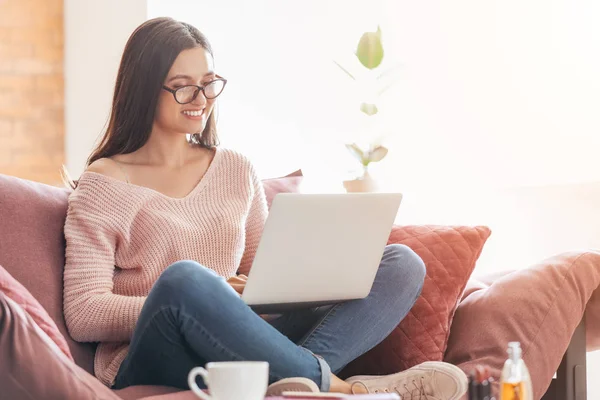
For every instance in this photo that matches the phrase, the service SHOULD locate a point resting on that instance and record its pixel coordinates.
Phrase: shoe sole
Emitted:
(450, 369)
(292, 385)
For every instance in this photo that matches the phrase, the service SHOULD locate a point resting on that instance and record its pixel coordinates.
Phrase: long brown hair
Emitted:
(148, 56)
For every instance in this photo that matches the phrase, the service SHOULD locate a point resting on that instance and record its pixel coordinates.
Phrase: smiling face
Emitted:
(191, 67)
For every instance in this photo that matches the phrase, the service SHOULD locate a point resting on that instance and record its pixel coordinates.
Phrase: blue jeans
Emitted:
(192, 317)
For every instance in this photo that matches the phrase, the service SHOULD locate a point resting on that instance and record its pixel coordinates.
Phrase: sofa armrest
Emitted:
(592, 322)
(33, 367)
(571, 380)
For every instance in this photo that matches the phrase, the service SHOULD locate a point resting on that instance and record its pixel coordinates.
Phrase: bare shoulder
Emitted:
(107, 167)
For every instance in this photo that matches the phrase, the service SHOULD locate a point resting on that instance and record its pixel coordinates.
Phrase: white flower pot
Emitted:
(364, 184)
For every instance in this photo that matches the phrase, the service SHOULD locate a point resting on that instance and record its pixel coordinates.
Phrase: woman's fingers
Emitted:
(238, 287)
(238, 283)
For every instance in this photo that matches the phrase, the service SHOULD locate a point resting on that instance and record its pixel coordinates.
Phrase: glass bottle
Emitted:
(515, 381)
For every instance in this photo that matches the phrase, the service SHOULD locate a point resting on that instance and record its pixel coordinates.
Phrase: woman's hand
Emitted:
(238, 283)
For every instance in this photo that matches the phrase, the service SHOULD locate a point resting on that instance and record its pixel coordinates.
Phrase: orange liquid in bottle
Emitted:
(513, 391)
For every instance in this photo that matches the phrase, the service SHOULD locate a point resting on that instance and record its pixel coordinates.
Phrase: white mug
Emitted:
(239, 380)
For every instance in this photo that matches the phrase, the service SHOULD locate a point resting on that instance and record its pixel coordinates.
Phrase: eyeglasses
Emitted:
(187, 94)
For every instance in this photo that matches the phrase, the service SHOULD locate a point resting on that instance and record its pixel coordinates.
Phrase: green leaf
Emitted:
(378, 153)
(369, 109)
(370, 50)
(344, 69)
(356, 151)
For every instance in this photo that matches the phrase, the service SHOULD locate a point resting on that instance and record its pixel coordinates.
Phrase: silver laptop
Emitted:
(319, 249)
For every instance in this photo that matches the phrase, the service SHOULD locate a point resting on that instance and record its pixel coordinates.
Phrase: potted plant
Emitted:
(369, 53)
(364, 183)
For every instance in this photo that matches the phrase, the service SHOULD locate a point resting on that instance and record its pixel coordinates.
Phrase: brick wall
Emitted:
(31, 89)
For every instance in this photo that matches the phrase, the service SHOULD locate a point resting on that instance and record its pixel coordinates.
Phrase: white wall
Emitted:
(489, 93)
(95, 35)
(495, 92)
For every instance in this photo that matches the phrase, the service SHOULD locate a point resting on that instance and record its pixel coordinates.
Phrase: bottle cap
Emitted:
(514, 350)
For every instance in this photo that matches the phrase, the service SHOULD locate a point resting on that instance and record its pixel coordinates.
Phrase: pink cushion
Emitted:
(17, 293)
(450, 254)
(287, 184)
(32, 248)
(539, 306)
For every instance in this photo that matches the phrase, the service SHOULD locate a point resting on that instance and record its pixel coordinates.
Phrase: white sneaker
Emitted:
(292, 385)
(430, 380)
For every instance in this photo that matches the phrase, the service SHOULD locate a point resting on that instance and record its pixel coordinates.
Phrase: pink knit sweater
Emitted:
(120, 237)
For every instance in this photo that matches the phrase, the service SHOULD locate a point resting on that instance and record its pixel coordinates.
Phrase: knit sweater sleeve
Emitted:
(93, 313)
(255, 222)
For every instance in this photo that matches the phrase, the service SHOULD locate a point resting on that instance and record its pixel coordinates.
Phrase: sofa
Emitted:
(552, 308)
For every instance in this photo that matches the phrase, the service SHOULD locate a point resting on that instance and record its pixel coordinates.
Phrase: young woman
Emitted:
(161, 231)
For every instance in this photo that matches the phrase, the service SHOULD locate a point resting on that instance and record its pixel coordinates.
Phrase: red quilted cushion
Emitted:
(20, 295)
(449, 254)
